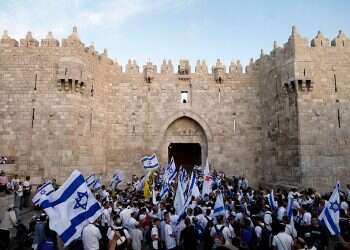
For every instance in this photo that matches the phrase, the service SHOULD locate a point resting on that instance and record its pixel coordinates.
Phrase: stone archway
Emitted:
(186, 135)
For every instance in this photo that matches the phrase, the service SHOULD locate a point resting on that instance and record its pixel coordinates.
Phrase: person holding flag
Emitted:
(71, 208)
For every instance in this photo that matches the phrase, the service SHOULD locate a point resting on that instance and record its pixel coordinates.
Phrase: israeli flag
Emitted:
(164, 191)
(71, 207)
(117, 178)
(219, 207)
(41, 194)
(150, 162)
(271, 200)
(330, 213)
(97, 185)
(170, 171)
(290, 206)
(191, 184)
(90, 180)
(179, 200)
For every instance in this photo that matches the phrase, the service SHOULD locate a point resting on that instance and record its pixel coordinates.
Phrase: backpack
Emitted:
(266, 238)
(219, 239)
(199, 231)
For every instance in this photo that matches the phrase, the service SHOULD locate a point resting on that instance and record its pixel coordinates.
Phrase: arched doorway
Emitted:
(186, 141)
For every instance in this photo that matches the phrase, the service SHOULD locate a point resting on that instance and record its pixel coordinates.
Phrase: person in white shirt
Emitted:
(155, 234)
(170, 236)
(90, 237)
(136, 237)
(282, 241)
(290, 229)
(281, 212)
(106, 218)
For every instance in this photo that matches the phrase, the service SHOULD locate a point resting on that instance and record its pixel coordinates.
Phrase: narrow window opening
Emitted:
(304, 72)
(321, 43)
(278, 121)
(90, 121)
(36, 79)
(70, 83)
(339, 119)
(184, 96)
(65, 71)
(335, 83)
(234, 126)
(219, 95)
(343, 43)
(92, 89)
(276, 88)
(33, 117)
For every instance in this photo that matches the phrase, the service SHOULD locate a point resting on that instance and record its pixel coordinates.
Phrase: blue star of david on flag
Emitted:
(81, 200)
(334, 206)
(42, 192)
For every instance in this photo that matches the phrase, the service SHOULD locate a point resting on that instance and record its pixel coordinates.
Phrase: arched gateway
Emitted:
(185, 137)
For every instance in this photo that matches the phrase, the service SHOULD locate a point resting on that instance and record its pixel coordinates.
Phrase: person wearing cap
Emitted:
(282, 241)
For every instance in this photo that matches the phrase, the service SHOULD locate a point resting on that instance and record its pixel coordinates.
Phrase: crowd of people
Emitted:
(129, 221)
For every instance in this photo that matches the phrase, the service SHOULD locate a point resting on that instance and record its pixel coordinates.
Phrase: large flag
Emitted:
(179, 200)
(207, 181)
(330, 213)
(71, 207)
(150, 162)
(271, 200)
(42, 193)
(219, 207)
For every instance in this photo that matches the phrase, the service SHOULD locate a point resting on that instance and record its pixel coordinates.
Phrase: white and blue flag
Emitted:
(42, 193)
(219, 207)
(117, 178)
(150, 162)
(179, 200)
(164, 190)
(71, 207)
(290, 206)
(97, 185)
(90, 180)
(191, 186)
(271, 200)
(330, 213)
(170, 171)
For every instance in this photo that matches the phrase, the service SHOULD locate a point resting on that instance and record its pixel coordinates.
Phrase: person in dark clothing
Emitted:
(188, 235)
(207, 239)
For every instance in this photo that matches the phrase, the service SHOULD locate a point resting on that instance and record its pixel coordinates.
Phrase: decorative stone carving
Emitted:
(132, 67)
(320, 40)
(29, 41)
(49, 41)
(7, 41)
(184, 67)
(149, 70)
(219, 71)
(73, 40)
(71, 75)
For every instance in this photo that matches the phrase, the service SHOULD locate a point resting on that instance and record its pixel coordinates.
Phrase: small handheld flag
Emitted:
(150, 162)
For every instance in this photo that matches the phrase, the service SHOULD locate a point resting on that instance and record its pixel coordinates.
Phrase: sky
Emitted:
(173, 29)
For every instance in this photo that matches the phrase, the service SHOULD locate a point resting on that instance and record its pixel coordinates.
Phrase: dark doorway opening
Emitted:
(185, 154)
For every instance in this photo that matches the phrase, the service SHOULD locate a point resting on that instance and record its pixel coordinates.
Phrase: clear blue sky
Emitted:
(174, 29)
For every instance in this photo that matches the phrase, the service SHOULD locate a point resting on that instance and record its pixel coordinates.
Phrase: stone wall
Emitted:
(67, 106)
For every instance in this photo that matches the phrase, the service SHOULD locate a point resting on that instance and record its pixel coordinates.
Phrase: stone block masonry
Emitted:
(282, 121)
